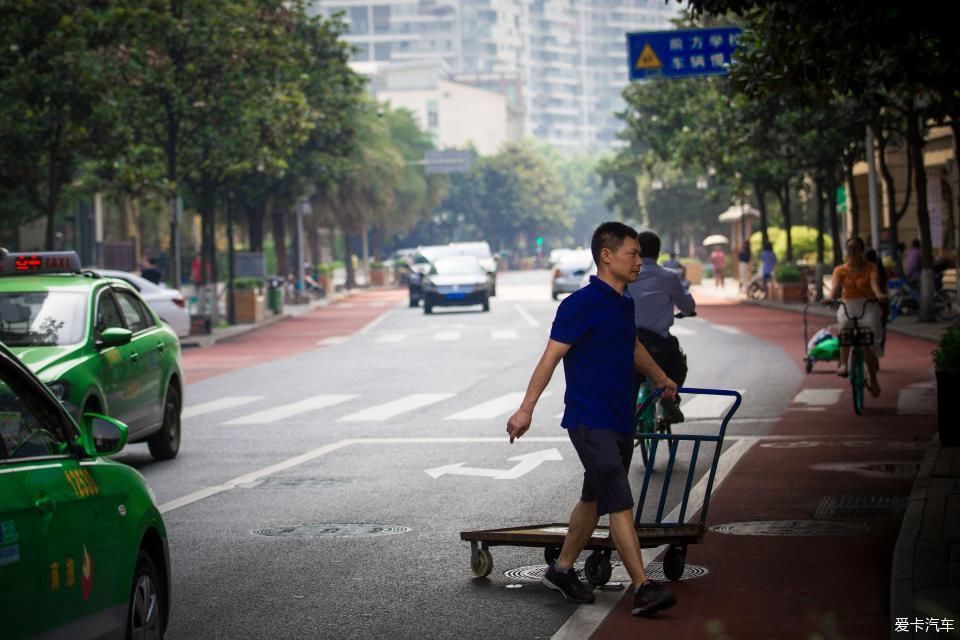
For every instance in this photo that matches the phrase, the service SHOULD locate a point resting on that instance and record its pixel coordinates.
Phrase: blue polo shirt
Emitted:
(597, 323)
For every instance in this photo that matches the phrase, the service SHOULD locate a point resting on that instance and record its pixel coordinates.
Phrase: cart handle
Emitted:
(718, 392)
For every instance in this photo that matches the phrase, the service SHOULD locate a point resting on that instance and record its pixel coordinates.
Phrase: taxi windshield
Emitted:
(42, 318)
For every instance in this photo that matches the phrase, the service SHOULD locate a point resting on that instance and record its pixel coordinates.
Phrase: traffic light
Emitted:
(539, 241)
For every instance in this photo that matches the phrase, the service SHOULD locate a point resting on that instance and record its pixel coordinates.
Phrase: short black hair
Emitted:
(609, 235)
(649, 244)
(915, 243)
(857, 240)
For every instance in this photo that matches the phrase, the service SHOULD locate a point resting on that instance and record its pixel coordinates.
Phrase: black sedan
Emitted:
(455, 281)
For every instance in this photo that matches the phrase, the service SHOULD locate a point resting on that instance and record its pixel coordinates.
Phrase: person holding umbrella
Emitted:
(718, 258)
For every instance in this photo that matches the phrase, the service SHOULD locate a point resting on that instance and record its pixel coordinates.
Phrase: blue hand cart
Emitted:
(653, 527)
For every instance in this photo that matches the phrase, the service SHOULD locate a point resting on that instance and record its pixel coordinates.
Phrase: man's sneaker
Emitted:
(672, 409)
(568, 584)
(650, 597)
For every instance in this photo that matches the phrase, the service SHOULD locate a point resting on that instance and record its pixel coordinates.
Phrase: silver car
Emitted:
(570, 270)
(456, 281)
(168, 303)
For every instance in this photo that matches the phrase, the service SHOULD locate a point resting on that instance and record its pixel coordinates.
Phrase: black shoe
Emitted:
(650, 597)
(672, 409)
(568, 584)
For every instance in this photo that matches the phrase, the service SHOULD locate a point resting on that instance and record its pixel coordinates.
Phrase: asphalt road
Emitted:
(300, 505)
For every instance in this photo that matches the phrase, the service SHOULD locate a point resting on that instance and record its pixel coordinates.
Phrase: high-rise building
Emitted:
(564, 62)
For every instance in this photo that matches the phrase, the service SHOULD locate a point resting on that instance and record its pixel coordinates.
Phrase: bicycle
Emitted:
(855, 337)
(904, 299)
(650, 416)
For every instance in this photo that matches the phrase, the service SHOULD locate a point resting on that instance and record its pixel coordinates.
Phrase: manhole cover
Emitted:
(861, 506)
(882, 469)
(333, 530)
(654, 571)
(789, 528)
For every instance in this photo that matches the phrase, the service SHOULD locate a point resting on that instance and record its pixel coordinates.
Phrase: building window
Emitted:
(359, 22)
(361, 52)
(381, 51)
(433, 119)
(381, 19)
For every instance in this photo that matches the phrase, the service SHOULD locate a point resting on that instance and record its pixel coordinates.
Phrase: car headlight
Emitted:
(60, 388)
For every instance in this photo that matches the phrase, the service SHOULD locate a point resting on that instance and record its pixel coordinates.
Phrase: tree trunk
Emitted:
(762, 206)
(853, 204)
(834, 220)
(783, 193)
(915, 145)
(955, 128)
(255, 217)
(313, 240)
(348, 263)
(278, 220)
(820, 227)
(888, 183)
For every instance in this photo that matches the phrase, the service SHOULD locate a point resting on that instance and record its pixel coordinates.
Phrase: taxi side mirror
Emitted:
(101, 435)
(114, 337)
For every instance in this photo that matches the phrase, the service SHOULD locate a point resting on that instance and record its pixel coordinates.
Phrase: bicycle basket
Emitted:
(851, 337)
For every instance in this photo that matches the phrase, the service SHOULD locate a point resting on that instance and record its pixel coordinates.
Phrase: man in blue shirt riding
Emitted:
(595, 336)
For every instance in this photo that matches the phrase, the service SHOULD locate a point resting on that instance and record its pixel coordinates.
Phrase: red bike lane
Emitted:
(291, 335)
(839, 478)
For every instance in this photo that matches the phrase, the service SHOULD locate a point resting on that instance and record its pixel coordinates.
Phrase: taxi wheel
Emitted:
(146, 607)
(165, 444)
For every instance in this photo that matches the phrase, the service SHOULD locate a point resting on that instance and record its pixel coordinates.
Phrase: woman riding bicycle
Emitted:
(856, 282)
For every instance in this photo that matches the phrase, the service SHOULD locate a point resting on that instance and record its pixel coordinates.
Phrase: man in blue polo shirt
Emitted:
(593, 333)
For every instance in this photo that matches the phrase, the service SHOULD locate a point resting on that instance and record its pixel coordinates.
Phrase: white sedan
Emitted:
(169, 304)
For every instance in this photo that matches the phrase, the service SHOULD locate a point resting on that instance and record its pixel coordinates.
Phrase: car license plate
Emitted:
(456, 296)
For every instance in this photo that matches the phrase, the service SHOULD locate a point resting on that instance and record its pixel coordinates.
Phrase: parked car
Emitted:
(455, 281)
(169, 304)
(83, 547)
(95, 343)
(569, 270)
(422, 261)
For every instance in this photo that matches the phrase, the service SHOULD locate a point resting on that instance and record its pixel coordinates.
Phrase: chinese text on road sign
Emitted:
(681, 53)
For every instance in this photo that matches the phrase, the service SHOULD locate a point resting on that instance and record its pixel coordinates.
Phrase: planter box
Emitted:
(786, 291)
(694, 273)
(948, 410)
(250, 306)
(378, 277)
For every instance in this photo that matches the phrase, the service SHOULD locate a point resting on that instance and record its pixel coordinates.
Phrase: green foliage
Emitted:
(947, 354)
(376, 264)
(786, 272)
(248, 284)
(325, 269)
(804, 241)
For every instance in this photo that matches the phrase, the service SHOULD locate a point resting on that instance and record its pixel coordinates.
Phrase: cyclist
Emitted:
(856, 282)
(655, 294)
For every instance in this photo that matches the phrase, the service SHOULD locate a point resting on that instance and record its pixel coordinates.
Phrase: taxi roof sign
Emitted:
(45, 262)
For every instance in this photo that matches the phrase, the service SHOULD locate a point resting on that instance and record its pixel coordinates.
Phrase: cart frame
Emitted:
(678, 535)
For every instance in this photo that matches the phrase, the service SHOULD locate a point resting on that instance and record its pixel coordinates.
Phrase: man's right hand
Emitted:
(518, 423)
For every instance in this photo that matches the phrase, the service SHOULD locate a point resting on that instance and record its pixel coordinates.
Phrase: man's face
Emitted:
(625, 262)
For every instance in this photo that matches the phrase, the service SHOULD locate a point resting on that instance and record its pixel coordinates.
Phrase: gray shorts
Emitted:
(606, 457)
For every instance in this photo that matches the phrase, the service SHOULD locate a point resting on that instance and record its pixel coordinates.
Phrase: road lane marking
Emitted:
(586, 620)
(217, 405)
(917, 399)
(525, 464)
(503, 334)
(493, 408)
(370, 325)
(282, 412)
(396, 407)
(389, 338)
(332, 340)
(446, 336)
(818, 397)
(698, 406)
(728, 329)
(377, 304)
(526, 316)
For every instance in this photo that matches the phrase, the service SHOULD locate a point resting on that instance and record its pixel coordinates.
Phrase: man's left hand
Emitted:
(669, 388)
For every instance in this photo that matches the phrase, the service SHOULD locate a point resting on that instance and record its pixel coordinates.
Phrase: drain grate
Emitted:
(790, 528)
(861, 506)
(333, 530)
(654, 571)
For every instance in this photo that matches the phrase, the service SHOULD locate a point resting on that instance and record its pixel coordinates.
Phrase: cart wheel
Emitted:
(597, 569)
(809, 365)
(481, 563)
(550, 554)
(674, 562)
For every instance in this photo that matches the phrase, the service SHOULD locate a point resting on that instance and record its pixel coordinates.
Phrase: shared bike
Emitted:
(857, 338)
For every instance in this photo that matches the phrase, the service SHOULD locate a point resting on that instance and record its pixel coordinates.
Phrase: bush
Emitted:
(804, 241)
(248, 284)
(376, 264)
(785, 273)
(689, 261)
(947, 355)
(324, 269)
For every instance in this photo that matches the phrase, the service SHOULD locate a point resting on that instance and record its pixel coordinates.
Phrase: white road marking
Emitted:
(526, 316)
(682, 331)
(377, 304)
(342, 305)
(503, 334)
(525, 464)
(917, 399)
(220, 404)
(446, 336)
(728, 329)
(586, 620)
(282, 412)
(370, 325)
(396, 407)
(696, 406)
(391, 337)
(332, 340)
(492, 408)
(818, 397)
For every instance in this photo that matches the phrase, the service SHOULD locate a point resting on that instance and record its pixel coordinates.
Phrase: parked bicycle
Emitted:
(856, 338)
(906, 299)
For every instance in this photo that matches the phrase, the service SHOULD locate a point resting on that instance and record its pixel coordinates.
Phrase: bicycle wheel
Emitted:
(856, 378)
(942, 308)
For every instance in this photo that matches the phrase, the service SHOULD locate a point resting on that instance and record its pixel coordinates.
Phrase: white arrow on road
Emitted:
(525, 464)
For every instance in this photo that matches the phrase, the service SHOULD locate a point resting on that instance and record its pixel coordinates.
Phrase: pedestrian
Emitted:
(743, 266)
(911, 267)
(656, 293)
(719, 261)
(595, 336)
(149, 270)
(768, 260)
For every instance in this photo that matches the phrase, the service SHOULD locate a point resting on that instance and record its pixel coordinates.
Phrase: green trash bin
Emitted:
(275, 296)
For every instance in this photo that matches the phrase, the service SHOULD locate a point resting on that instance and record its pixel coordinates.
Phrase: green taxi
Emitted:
(83, 548)
(95, 343)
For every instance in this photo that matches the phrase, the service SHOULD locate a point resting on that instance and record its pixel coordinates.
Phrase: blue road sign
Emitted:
(682, 53)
